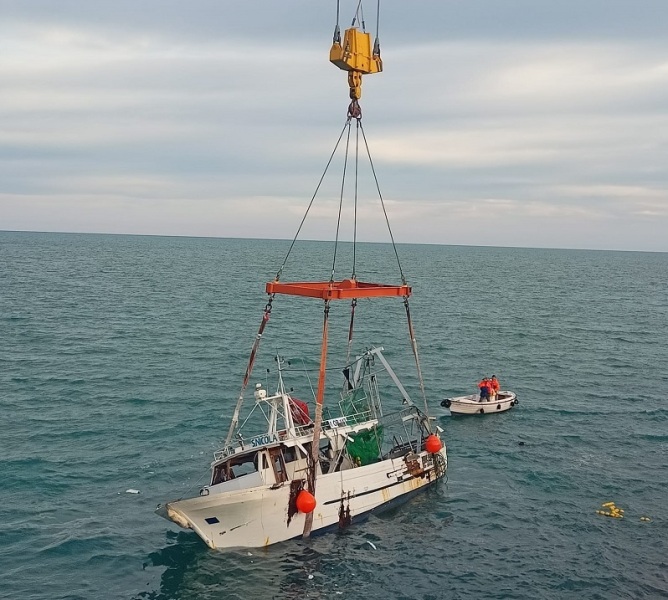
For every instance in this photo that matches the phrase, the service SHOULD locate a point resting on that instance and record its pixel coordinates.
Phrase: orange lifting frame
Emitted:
(337, 290)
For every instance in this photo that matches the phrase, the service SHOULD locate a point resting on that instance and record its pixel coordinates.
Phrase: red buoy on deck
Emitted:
(305, 502)
(432, 445)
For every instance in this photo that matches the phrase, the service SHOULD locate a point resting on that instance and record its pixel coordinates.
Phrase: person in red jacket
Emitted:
(485, 387)
(495, 385)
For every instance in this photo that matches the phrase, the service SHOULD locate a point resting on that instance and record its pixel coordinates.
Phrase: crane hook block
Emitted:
(356, 56)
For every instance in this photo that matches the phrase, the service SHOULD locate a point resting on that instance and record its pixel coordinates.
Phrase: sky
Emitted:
(494, 123)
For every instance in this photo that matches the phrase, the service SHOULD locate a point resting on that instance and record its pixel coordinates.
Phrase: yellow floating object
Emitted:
(613, 511)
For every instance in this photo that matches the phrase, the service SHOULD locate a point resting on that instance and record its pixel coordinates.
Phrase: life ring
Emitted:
(517, 401)
(446, 403)
(482, 411)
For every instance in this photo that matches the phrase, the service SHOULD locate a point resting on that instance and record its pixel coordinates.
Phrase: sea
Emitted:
(121, 359)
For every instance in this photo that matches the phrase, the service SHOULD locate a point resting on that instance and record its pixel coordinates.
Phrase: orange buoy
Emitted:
(305, 502)
(433, 444)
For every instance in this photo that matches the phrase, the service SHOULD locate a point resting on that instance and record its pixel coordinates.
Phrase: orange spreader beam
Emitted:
(337, 290)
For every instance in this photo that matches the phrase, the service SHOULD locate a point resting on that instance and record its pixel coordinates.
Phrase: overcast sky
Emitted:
(495, 122)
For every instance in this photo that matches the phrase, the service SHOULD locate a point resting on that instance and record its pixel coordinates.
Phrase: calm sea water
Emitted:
(121, 358)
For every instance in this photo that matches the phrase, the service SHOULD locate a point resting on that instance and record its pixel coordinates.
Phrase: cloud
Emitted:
(219, 121)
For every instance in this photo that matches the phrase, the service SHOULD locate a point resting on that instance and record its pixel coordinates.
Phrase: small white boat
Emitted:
(472, 405)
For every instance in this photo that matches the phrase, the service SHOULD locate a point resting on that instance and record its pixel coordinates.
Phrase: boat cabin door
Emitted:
(278, 462)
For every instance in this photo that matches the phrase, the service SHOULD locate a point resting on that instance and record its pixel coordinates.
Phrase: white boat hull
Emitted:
(471, 404)
(259, 516)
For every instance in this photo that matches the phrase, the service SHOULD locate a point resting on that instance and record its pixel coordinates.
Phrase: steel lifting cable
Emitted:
(338, 221)
(359, 15)
(387, 220)
(337, 31)
(411, 331)
(322, 177)
(353, 304)
(411, 334)
(357, 160)
(376, 43)
(338, 12)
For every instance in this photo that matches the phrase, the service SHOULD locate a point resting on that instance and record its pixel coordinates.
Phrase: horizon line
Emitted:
(218, 237)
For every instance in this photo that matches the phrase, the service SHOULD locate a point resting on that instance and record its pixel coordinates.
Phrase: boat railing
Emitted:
(300, 430)
(223, 452)
(350, 418)
(282, 435)
(355, 407)
(405, 414)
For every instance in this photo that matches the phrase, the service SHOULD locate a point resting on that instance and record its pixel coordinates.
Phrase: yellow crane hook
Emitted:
(357, 56)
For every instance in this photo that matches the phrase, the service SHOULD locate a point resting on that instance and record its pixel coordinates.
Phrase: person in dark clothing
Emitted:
(485, 389)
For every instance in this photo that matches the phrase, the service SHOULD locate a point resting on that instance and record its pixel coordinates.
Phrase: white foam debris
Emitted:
(310, 576)
(131, 491)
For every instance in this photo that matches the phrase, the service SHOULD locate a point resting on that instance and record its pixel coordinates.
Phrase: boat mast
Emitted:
(249, 370)
(317, 422)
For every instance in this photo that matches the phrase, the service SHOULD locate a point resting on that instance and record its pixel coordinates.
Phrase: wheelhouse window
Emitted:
(236, 466)
(290, 454)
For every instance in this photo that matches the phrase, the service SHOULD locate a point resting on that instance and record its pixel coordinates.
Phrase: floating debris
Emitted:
(613, 511)
(131, 491)
(372, 545)
(645, 519)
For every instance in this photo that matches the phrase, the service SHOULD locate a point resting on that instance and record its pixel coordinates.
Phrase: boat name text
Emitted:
(261, 440)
